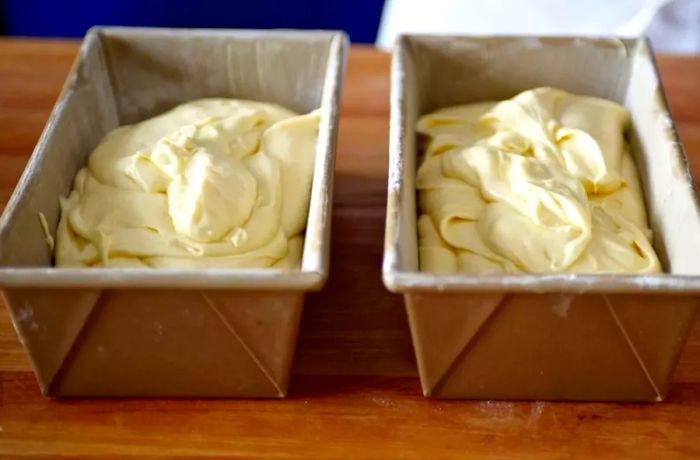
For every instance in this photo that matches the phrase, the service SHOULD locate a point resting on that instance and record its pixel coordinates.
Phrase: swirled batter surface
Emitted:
(211, 183)
(540, 183)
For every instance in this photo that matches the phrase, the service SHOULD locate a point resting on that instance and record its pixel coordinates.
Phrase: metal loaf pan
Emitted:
(556, 337)
(130, 332)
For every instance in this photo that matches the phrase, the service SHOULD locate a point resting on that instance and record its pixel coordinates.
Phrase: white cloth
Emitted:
(673, 25)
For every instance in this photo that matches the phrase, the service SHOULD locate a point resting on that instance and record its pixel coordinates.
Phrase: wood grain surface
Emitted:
(354, 393)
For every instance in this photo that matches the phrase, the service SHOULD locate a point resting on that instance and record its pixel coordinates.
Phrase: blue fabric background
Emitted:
(57, 18)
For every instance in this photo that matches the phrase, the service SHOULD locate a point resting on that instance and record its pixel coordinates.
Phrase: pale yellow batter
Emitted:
(540, 183)
(211, 183)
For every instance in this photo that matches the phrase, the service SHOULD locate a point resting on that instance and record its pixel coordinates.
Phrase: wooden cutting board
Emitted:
(354, 393)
